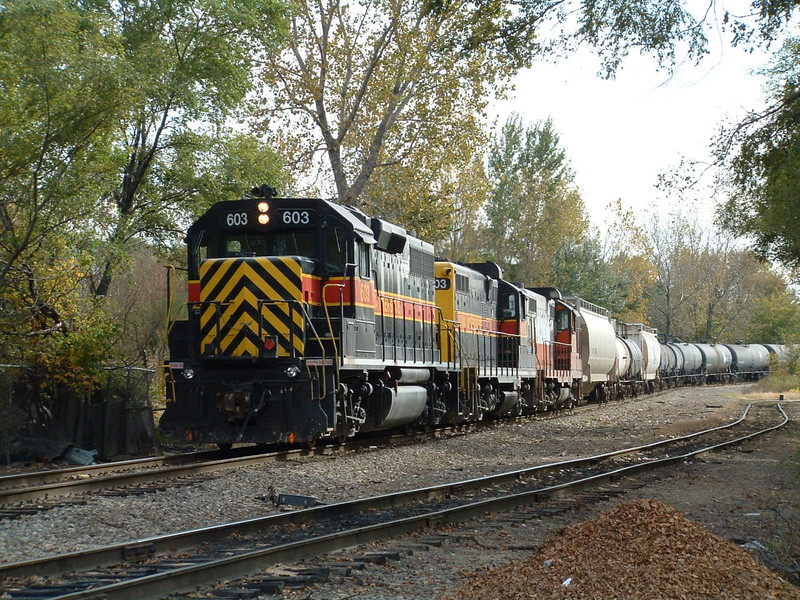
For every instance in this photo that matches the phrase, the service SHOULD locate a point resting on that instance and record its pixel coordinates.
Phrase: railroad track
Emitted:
(28, 493)
(156, 567)
(20, 491)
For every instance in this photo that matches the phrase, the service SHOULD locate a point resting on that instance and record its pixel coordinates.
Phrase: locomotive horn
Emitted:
(264, 191)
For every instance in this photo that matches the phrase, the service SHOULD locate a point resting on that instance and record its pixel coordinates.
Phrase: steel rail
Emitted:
(37, 485)
(77, 480)
(185, 579)
(139, 549)
(37, 478)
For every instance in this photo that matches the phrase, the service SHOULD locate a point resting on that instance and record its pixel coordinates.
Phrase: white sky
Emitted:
(620, 134)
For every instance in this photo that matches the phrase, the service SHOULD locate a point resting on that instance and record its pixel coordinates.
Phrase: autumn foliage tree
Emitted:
(377, 105)
(709, 287)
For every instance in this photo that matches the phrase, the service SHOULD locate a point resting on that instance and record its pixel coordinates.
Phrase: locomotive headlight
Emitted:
(292, 371)
(263, 219)
(188, 373)
(263, 207)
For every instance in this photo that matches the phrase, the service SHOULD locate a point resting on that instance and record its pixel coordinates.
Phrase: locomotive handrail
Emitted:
(261, 329)
(494, 367)
(341, 286)
(218, 317)
(301, 307)
(554, 348)
(307, 317)
(449, 326)
(404, 302)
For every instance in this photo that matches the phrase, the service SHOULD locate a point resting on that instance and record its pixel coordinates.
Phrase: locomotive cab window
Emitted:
(285, 243)
(508, 306)
(364, 258)
(208, 245)
(202, 247)
(336, 243)
(562, 320)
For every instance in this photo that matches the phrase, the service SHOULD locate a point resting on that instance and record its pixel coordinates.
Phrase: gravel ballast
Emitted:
(242, 493)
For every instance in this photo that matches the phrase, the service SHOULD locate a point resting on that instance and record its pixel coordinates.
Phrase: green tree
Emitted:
(534, 209)
(375, 90)
(706, 286)
(581, 269)
(62, 91)
(674, 247)
(762, 159)
(189, 62)
(774, 315)
(668, 30)
(462, 242)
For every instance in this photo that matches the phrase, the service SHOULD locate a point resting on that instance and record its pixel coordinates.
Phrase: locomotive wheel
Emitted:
(225, 446)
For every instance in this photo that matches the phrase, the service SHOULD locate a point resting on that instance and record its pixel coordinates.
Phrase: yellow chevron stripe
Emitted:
(245, 348)
(222, 273)
(230, 274)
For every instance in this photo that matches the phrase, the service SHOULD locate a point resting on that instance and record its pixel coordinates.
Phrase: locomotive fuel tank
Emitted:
(390, 407)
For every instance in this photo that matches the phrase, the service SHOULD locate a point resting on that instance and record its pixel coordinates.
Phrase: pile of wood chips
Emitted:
(639, 550)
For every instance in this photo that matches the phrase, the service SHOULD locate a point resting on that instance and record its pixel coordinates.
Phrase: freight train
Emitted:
(308, 320)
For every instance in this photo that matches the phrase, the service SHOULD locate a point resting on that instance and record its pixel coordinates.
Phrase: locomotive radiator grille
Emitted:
(248, 301)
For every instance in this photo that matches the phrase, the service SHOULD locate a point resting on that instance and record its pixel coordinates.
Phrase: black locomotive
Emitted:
(307, 319)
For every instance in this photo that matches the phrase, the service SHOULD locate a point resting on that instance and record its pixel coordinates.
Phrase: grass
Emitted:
(784, 383)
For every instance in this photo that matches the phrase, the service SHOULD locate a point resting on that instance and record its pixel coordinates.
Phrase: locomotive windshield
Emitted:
(282, 243)
(329, 249)
(508, 306)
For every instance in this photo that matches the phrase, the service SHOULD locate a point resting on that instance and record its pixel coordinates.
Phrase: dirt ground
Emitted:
(750, 495)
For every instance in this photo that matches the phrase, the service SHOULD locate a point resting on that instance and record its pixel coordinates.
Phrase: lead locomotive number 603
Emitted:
(307, 319)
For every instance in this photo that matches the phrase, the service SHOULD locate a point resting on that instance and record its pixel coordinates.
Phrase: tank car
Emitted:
(671, 365)
(598, 349)
(778, 350)
(716, 362)
(749, 361)
(692, 371)
(644, 338)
